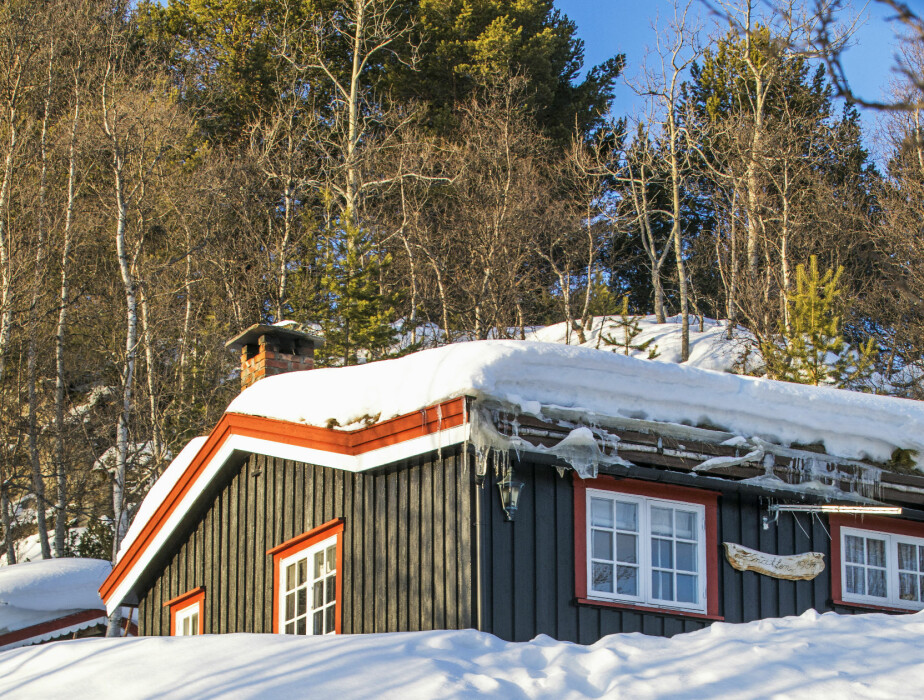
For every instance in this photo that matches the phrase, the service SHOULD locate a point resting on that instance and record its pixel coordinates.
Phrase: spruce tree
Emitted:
(359, 314)
(811, 349)
(628, 328)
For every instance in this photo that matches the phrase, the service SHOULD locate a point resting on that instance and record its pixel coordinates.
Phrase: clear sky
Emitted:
(609, 27)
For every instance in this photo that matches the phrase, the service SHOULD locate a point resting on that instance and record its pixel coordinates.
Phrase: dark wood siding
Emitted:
(407, 545)
(528, 567)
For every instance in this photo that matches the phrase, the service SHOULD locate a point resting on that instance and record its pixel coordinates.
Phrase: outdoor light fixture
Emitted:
(843, 510)
(510, 490)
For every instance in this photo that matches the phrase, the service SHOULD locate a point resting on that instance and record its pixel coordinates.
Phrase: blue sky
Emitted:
(609, 27)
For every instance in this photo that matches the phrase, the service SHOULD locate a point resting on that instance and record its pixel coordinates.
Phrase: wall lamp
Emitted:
(510, 490)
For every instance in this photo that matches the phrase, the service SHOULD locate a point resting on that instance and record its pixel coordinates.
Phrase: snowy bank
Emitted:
(534, 375)
(39, 591)
(811, 656)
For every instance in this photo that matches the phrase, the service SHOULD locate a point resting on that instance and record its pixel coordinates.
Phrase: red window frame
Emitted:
(295, 545)
(873, 523)
(195, 596)
(635, 487)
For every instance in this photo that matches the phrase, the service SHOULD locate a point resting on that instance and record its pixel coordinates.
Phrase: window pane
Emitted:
(853, 547)
(920, 558)
(290, 577)
(302, 571)
(855, 581)
(318, 595)
(686, 557)
(907, 587)
(318, 564)
(876, 583)
(627, 580)
(318, 623)
(602, 577)
(686, 525)
(194, 624)
(331, 558)
(185, 627)
(662, 521)
(300, 626)
(290, 606)
(875, 552)
(686, 588)
(601, 512)
(907, 557)
(290, 628)
(627, 516)
(662, 585)
(331, 588)
(302, 606)
(602, 545)
(662, 553)
(329, 625)
(627, 548)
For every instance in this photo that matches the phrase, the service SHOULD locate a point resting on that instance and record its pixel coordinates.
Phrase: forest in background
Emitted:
(436, 169)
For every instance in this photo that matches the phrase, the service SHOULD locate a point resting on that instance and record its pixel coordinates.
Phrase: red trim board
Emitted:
(427, 421)
(196, 596)
(44, 628)
(298, 543)
(707, 499)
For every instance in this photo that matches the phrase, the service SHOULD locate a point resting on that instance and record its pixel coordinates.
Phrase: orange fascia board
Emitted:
(429, 420)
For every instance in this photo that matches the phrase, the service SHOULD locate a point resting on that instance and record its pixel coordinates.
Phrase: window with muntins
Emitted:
(186, 612)
(187, 621)
(882, 568)
(646, 551)
(309, 585)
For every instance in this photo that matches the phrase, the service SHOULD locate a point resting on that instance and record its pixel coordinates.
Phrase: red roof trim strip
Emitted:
(52, 625)
(429, 420)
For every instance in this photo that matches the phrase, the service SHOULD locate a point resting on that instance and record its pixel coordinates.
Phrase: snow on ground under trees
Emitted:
(811, 656)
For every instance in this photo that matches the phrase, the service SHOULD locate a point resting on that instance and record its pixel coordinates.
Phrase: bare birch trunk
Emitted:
(6, 520)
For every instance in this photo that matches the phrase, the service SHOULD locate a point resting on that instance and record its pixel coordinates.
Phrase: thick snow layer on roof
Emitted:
(159, 491)
(811, 656)
(533, 375)
(37, 591)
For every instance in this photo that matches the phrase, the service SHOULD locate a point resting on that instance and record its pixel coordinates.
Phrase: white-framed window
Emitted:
(186, 620)
(881, 568)
(308, 588)
(646, 551)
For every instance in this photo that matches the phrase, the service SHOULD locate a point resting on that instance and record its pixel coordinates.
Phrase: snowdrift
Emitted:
(811, 656)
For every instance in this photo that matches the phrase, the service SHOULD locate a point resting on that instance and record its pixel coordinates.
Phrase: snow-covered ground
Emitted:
(811, 656)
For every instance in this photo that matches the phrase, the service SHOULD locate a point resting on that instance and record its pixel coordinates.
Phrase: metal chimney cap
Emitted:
(251, 336)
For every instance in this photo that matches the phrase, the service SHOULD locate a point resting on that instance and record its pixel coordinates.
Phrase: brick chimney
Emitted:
(269, 350)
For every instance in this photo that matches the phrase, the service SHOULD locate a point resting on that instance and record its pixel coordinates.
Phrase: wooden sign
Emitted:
(794, 567)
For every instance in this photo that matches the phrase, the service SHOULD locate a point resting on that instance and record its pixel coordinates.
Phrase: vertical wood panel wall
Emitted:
(407, 545)
(528, 567)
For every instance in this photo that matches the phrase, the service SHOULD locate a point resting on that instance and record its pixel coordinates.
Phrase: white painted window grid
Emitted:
(186, 620)
(646, 551)
(881, 568)
(308, 590)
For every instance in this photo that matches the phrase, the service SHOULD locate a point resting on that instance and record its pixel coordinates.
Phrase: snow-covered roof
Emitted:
(39, 591)
(810, 656)
(159, 490)
(533, 375)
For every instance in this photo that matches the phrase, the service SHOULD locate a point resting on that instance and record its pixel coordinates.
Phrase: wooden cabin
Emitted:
(642, 497)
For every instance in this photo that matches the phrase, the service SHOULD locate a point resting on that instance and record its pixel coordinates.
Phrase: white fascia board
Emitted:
(270, 448)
